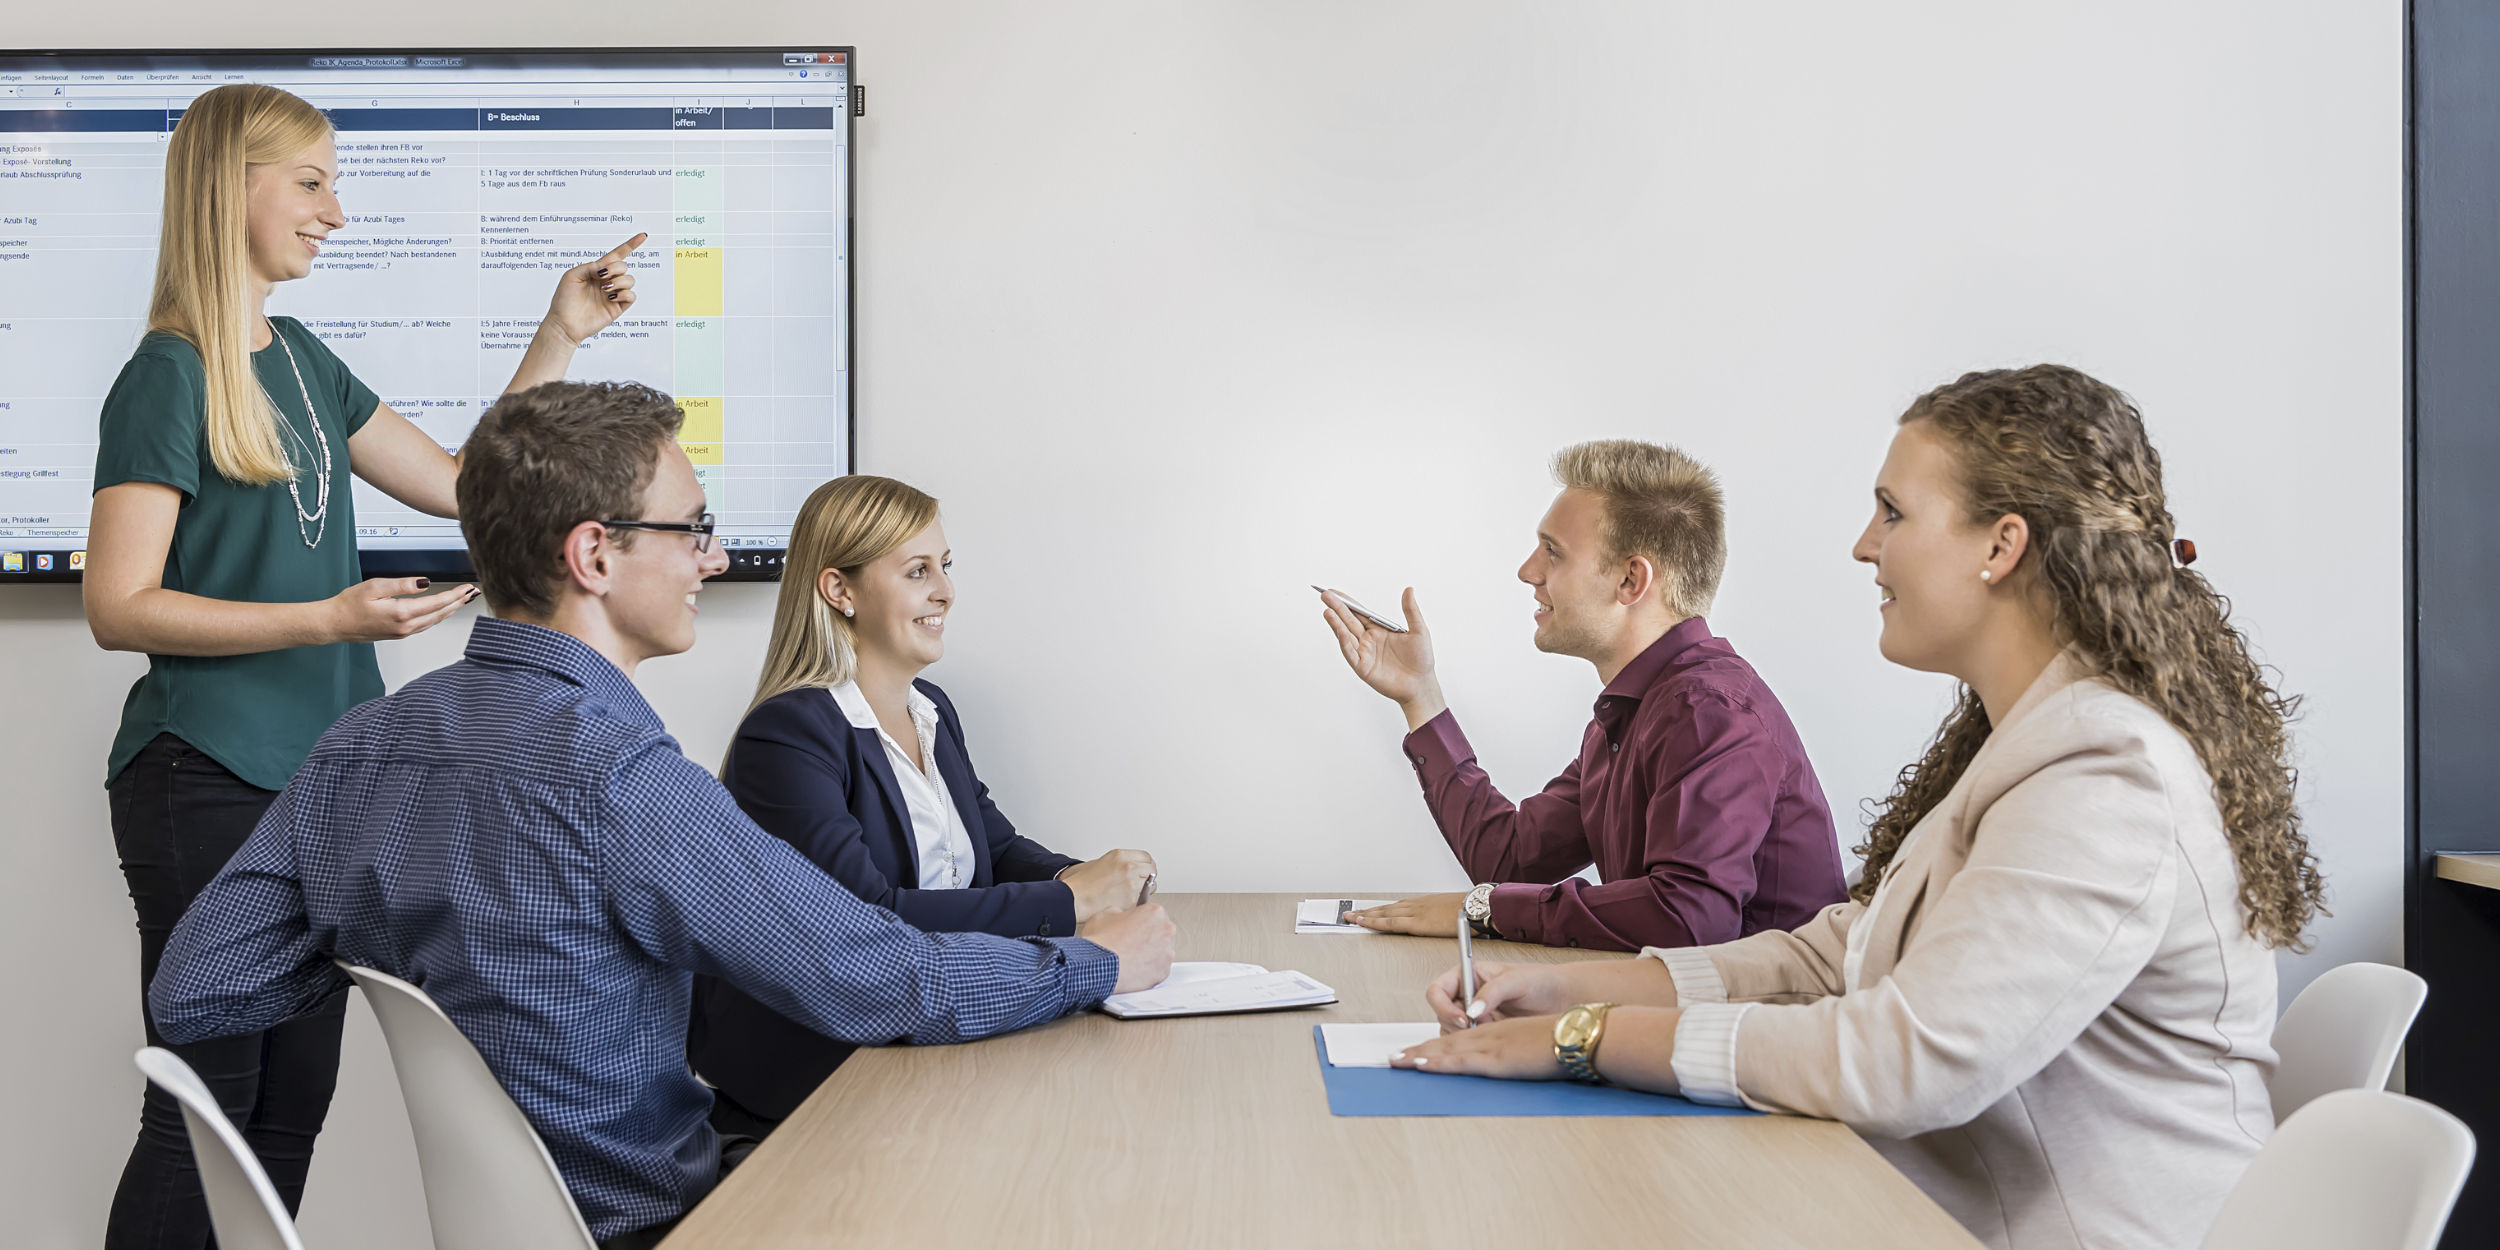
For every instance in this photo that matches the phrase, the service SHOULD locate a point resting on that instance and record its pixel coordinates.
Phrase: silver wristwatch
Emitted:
(1479, 909)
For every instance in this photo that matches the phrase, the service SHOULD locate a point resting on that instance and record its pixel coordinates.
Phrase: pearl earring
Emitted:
(854, 612)
(1983, 575)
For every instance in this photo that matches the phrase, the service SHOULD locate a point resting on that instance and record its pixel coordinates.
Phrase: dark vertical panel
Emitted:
(2452, 932)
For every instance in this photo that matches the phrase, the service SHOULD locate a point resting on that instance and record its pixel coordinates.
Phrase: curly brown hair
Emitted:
(2068, 453)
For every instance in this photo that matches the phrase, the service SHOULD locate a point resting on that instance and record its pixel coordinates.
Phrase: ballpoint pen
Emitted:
(1466, 970)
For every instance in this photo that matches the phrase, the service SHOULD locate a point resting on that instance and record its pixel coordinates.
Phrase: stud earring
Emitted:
(854, 612)
(1983, 575)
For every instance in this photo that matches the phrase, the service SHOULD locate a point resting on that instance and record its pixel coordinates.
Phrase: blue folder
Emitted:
(1404, 1091)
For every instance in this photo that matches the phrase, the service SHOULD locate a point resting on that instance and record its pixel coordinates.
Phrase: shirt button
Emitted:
(1045, 928)
(1573, 942)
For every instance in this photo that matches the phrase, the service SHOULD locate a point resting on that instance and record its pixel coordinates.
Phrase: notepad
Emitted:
(1205, 989)
(1371, 1045)
(1327, 915)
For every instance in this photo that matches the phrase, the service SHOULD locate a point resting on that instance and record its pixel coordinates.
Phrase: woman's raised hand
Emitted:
(591, 296)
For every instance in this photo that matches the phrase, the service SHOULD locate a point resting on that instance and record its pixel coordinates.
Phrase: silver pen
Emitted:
(1466, 970)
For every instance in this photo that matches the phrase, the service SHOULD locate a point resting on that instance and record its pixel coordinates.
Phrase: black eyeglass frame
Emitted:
(701, 529)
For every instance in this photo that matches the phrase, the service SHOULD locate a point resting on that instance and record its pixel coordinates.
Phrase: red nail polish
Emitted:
(422, 583)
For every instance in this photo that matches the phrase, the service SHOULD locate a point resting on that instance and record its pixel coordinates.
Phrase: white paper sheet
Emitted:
(1370, 1045)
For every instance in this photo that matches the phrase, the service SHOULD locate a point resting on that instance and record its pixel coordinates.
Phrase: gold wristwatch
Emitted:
(1576, 1036)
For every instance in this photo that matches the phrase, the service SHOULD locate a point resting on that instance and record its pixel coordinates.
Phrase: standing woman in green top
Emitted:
(223, 545)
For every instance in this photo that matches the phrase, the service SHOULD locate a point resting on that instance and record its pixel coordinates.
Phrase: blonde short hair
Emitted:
(1659, 503)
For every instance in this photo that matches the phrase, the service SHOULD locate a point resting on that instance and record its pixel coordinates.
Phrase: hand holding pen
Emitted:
(1500, 992)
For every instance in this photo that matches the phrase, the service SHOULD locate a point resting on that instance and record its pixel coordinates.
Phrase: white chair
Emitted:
(243, 1207)
(2357, 1169)
(489, 1184)
(2343, 1032)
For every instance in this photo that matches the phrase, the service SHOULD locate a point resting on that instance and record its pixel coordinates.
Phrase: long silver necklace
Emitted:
(320, 514)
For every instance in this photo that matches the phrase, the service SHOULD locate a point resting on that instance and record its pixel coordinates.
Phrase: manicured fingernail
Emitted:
(422, 583)
(1423, 1063)
(1475, 1010)
(603, 273)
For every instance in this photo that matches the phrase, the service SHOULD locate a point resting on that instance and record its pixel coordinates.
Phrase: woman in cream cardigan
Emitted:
(2049, 1001)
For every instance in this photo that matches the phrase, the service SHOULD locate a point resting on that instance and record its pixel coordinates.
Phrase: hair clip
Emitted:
(2183, 550)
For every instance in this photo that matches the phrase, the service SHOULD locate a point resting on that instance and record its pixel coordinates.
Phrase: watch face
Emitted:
(1574, 1028)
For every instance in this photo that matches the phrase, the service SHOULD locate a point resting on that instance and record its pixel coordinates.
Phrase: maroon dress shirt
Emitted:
(1692, 795)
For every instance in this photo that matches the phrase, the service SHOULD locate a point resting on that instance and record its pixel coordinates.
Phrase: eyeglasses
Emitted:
(701, 529)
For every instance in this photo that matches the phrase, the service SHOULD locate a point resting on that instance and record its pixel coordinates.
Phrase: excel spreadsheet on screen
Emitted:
(469, 181)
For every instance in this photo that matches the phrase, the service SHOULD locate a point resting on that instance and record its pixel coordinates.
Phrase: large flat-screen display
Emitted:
(470, 180)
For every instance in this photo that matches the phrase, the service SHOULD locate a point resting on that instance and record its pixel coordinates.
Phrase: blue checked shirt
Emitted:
(517, 834)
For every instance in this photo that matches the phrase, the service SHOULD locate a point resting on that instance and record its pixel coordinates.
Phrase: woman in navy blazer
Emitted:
(851, 759)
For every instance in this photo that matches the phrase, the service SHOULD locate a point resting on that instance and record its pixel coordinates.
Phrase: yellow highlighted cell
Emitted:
(702, 453)
(698, 282)
(703, 419)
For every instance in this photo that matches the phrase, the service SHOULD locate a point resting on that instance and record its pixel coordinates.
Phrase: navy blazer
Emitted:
(804, 773)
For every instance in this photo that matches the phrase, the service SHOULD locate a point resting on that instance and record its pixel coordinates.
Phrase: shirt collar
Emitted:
(855, 707)
(498, 641)
(1616, 702)
(1651, 664)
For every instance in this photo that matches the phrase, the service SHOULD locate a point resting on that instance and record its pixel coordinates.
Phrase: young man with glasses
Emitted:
(517, 833)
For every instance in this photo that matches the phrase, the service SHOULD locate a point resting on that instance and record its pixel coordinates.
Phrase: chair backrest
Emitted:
(2356, 1169)
(242, 1205)
(489, 1184)
(2343, 1032)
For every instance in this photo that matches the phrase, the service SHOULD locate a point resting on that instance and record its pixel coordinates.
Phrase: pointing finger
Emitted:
(624, 249)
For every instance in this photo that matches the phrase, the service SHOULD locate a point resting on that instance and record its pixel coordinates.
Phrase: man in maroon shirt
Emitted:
(1691, 794)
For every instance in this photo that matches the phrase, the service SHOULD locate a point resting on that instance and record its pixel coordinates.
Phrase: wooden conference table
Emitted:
(1215, 1131)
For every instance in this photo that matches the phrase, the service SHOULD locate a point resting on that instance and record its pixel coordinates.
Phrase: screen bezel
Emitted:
(746, 564)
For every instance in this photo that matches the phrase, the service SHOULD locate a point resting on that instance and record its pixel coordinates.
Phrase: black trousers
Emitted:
(178, 816)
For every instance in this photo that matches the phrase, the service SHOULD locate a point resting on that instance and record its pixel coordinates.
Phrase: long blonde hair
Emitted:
(2069, 454)
(847, 524)
(203, 260)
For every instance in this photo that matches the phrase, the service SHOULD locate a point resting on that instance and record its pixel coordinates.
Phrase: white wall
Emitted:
(1182, 306)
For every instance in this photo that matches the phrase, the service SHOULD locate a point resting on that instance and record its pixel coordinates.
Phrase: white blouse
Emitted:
(943, 845)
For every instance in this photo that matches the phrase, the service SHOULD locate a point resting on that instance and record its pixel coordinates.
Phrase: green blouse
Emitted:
(256, 714)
